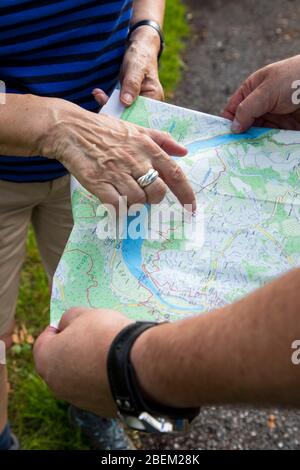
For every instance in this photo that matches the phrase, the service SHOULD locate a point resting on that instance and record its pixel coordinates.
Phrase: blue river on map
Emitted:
(132, 248)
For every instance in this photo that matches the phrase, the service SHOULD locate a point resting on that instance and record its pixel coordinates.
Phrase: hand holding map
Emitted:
(108, 156)
(268, 97)
(248, 198)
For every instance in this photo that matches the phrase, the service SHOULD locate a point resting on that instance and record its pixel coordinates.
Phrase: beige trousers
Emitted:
(45, 205)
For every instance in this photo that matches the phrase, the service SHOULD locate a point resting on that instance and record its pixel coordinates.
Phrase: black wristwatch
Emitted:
(135, 410)
(152, 24)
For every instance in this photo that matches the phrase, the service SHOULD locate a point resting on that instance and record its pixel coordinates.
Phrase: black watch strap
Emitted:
(153, 24)
(123, 381)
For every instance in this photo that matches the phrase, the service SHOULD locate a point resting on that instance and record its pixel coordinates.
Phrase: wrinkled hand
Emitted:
(72, 360)
(265, 98)
(108, 155)
(139, 72)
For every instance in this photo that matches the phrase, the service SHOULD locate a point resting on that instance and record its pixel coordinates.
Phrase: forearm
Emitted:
(148, 10)
(24, 123)
(238, 354)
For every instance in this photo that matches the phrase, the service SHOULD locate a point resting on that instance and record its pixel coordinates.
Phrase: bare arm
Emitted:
(238, 354)
(25, 121)
(140, 67)
(147, 9)
(91, 147)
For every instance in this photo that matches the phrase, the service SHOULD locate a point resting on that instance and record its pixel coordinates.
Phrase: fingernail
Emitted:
(194, 207)
(235, 126)
(127, 98)
(52, 328)
(191, 208)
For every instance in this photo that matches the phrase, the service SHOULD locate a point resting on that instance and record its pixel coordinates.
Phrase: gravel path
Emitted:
(230, 40)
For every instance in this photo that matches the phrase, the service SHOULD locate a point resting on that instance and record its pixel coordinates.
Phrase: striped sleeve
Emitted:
(60, 48)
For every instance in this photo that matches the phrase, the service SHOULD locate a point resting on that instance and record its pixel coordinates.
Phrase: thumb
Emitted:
(100, 96)
(255, 105)
(131, 84)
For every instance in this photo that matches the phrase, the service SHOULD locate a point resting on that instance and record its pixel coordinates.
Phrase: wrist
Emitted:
(48, 137)
(25, 125)
(58, 135)
(142, 404)
(148, 360)
(146, 36)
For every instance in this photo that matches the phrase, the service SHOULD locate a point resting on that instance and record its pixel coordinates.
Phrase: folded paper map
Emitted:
(247, 233)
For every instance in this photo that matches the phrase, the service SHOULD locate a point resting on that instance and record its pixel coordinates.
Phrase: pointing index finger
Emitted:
(166, 142)
(176, 180)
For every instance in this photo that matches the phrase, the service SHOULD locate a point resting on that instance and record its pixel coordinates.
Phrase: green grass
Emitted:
(37, 417)
(176, 30)
(39, 420)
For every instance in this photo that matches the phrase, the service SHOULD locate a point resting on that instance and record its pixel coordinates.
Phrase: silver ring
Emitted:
(147, 178)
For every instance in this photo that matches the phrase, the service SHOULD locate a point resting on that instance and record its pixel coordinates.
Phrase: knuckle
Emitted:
(147, 143)
(267, 69)
(129, 158)
(144, 138)
(110, 200)
(160, 91)
(241, 108)
(157, 92)
(160, 191)
(165, 135)
(139, 199)
(88, 173)
(133, 83)
(177, 174)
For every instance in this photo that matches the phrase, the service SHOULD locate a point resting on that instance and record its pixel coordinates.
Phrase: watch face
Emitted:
(133, 422)
(150, 424)
(155, 424)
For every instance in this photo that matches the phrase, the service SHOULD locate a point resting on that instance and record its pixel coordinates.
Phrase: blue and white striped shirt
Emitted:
(59, 48)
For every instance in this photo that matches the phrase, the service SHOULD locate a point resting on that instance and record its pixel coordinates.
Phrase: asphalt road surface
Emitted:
(231, 39)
